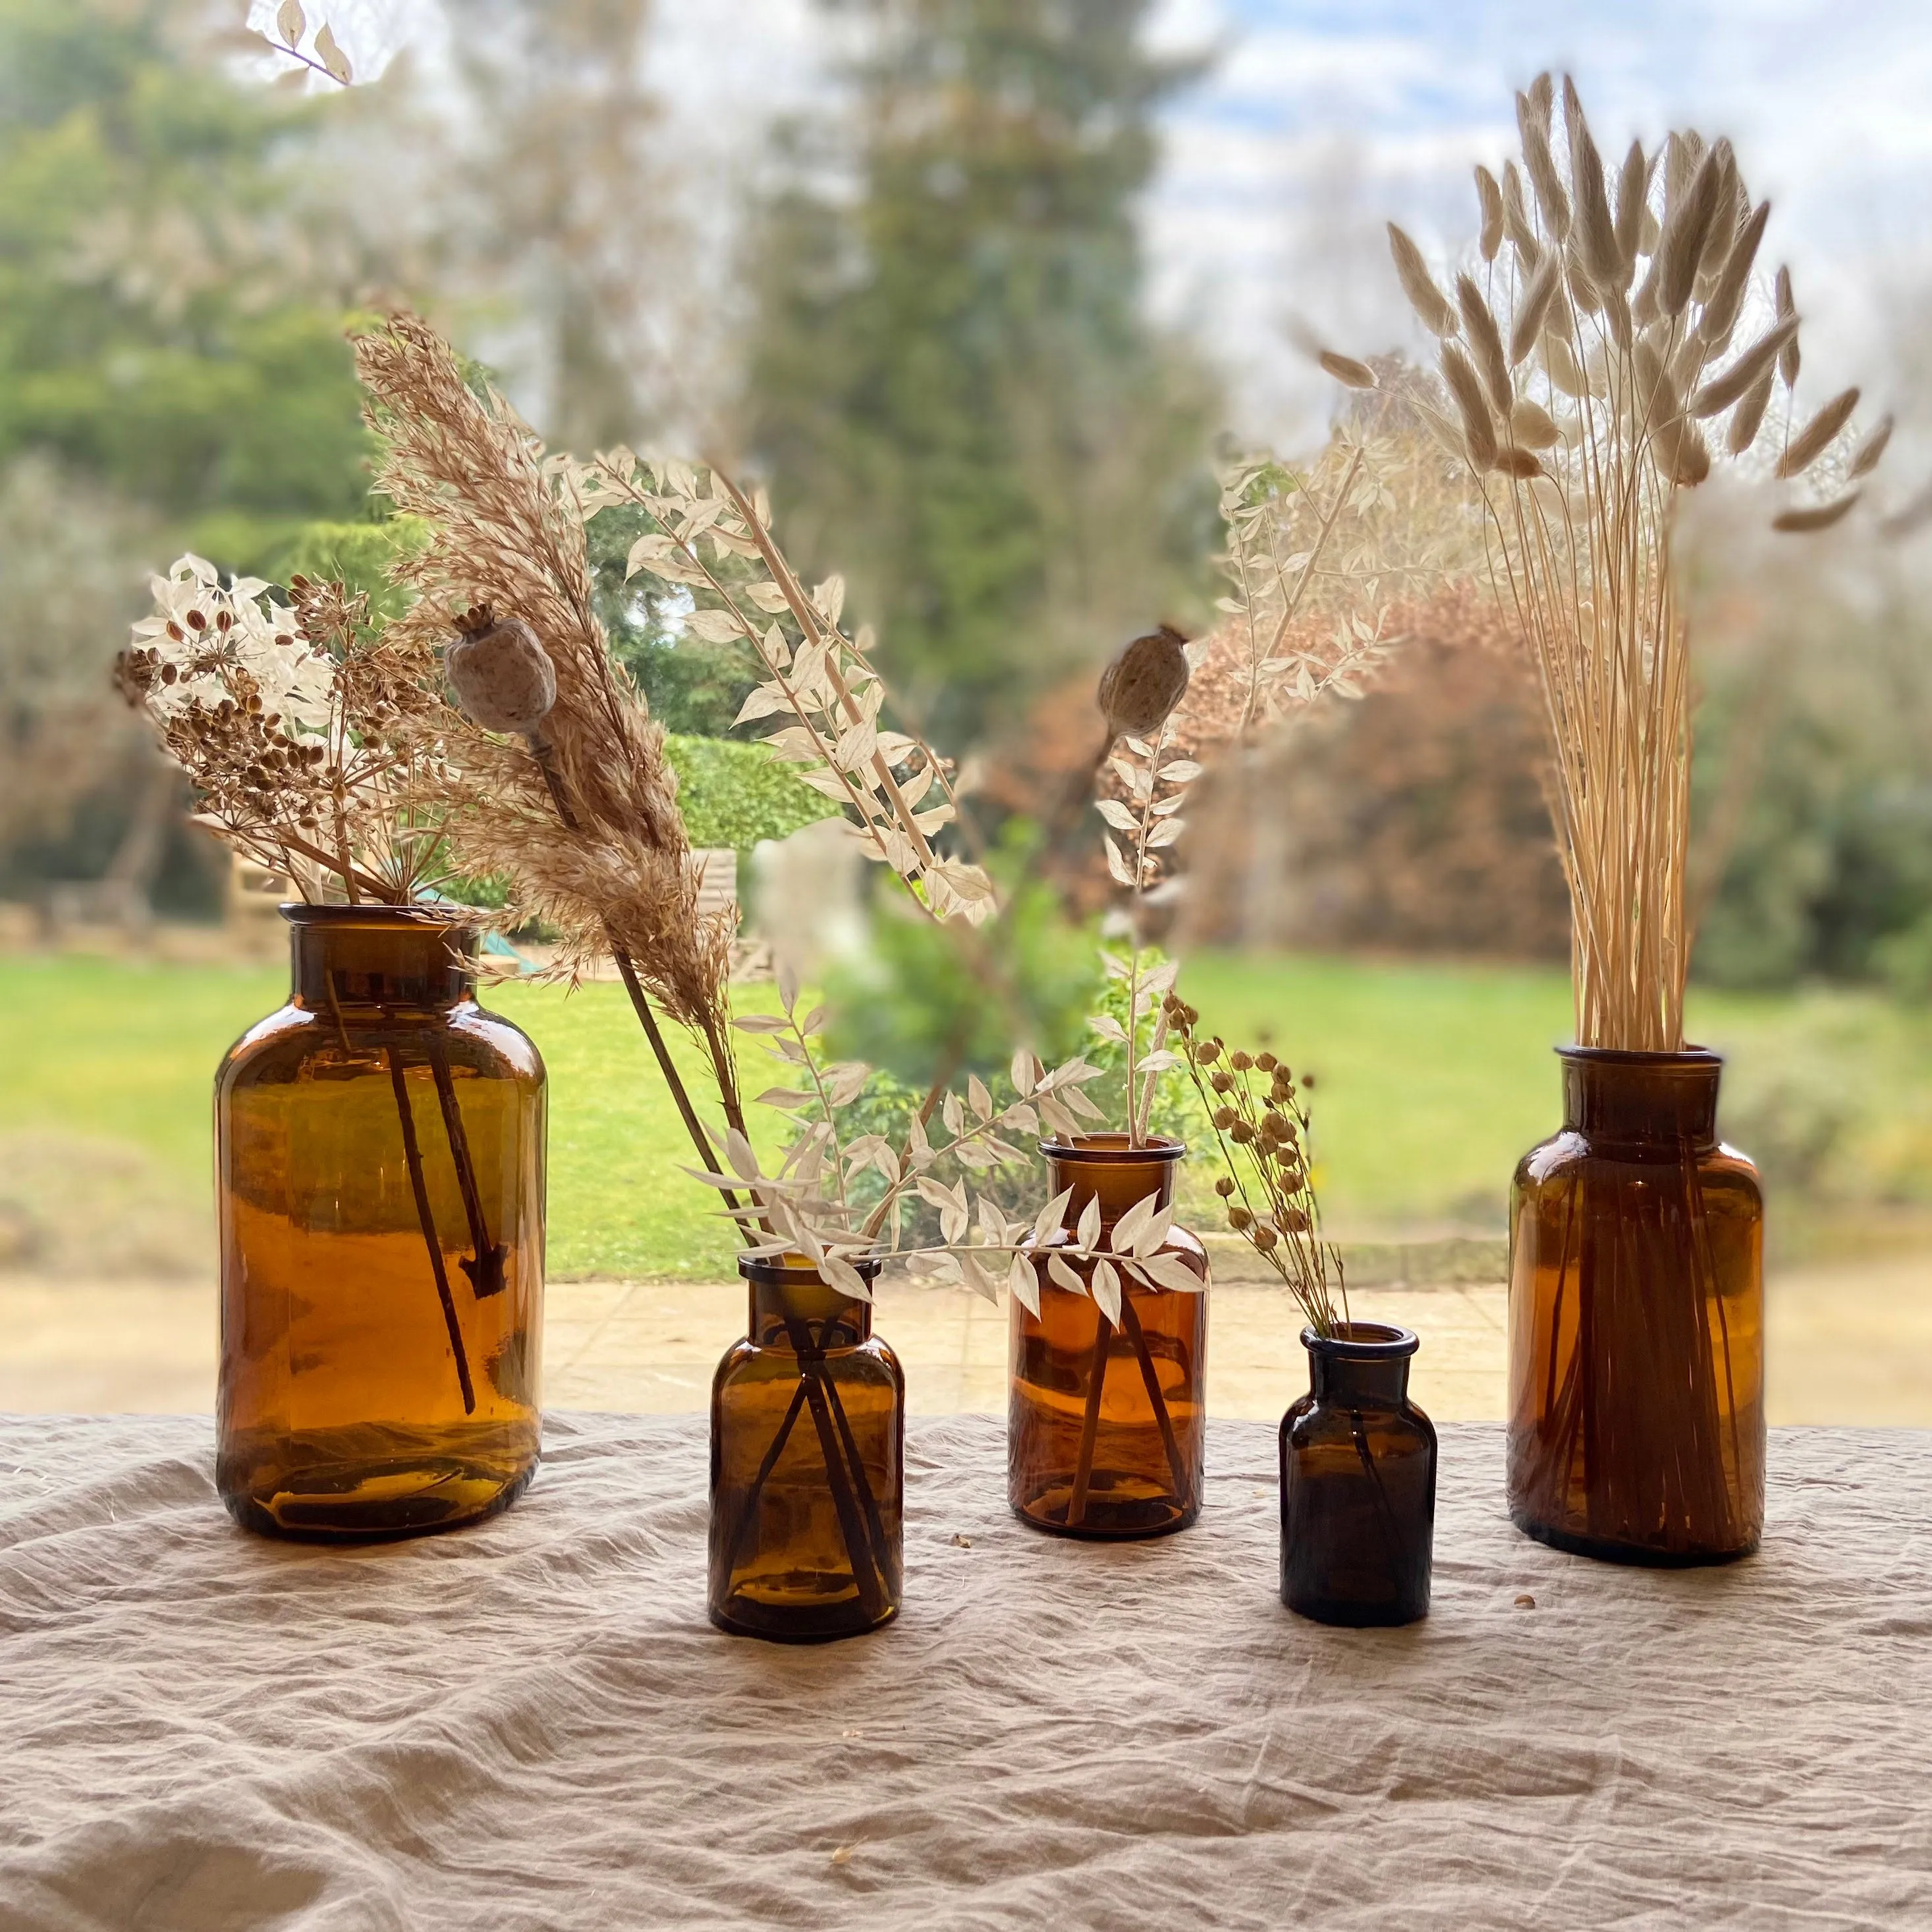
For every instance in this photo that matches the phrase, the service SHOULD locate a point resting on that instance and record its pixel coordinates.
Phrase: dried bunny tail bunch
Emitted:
(1617, 348)
(307, 737)
(563, 783)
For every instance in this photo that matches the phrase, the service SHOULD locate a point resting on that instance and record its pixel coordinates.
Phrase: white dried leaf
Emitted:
(1047, 1219)
(1106, 1290)
(1116, 815)
(978, 1098)
(1061, 1271)
(1170, 1271)
(1087, 1233)
(1026, 1072)
(1024, 1284)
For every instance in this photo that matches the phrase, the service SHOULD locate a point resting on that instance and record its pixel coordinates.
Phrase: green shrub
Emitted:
(732, 793)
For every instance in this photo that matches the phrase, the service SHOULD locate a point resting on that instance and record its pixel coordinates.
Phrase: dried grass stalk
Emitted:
(584, 814)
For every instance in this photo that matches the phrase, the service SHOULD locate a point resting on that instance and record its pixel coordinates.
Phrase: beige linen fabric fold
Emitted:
(530, 1725)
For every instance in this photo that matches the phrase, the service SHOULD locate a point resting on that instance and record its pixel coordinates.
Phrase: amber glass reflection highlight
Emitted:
(1106, 1427)
(380, 1150)
(808, 1464)
(1637, 1320)
(1357, 1482)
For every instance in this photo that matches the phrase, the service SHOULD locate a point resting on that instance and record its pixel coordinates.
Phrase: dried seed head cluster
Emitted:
(309, 741)
(1589, 376)
(1259, 1114)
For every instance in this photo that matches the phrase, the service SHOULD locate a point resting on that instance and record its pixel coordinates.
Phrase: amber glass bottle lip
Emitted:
(1691, 1060)
(798, 1271)
(1363, 1341)
(454, 920)
(1114, 1149)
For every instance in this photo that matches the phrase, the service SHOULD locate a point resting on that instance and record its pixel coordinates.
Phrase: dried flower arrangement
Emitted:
(1576, 390)
(1588, 379)
(313, 749)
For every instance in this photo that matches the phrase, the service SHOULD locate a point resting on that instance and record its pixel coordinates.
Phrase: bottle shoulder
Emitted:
(1311, 1421)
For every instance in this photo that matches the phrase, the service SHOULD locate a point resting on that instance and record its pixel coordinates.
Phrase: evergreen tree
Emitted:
(951, 379)
(150, 335)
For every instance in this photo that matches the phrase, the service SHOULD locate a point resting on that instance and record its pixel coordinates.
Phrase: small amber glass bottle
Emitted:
(808, 1463)
(1636, 1319)
(1106, 1427)
(380, 1156)
(1357, 1482)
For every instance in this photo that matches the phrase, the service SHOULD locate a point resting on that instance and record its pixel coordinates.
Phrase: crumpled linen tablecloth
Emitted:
(530, 1724)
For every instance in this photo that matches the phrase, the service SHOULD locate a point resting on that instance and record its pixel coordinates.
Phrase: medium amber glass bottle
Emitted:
(808, 1463)
(379, 1153)
(1636, 1319)
(1357, 1482)
(1106, 1427)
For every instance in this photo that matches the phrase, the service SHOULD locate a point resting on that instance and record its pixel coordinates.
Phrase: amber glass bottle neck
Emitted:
(807, 1315)
(1665, 1100)
(1105, 1168)
(344, 956)
(1366, 1368)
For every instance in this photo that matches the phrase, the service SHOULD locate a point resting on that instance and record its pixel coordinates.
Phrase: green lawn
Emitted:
(1431, 1080)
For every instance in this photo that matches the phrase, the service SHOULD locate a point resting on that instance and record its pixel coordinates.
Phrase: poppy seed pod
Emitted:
(1143, 682)
(500, 673)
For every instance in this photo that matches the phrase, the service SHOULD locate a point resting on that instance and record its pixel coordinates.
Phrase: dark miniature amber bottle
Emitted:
(1357, 1482)
(1106, 1426)
(379, 1155)
(808, 1463)
(1636, 1319)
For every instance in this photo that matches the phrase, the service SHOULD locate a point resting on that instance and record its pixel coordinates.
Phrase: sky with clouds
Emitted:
(1317, 120)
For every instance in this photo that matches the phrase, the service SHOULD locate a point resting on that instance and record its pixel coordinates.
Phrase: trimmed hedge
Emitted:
(734, 793)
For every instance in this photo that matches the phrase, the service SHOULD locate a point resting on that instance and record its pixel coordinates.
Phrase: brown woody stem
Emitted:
(1131, 1322)
(1090, 1424)
(413, 1156)
(485, 1270)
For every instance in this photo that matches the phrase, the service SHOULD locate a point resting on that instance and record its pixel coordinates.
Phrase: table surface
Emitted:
(531, 1725)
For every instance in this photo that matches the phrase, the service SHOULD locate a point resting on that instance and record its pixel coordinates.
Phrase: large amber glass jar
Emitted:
(808, 1463)
(1357, 1482)
(379, 1152)
(1107, 1425)
(1636, 1319)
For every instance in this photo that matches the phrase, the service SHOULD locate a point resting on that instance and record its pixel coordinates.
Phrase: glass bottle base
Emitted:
(338, 1485)
(1120, 1507)
(802, 1621)
(1606, 1549)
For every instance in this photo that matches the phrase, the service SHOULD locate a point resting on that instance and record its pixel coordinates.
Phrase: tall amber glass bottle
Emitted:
(1106, 1427)
(808, 1463)
(379, 1152)
(1636, 1319)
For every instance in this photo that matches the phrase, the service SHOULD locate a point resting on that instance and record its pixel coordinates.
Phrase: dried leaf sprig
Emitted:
(898, 791)
(1262, 1125)
(1317, 554)
(302, 733)
(809, 1206)
(1589, 378)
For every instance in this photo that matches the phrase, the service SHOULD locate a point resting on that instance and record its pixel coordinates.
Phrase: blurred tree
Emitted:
(950, 375)
(149, 334)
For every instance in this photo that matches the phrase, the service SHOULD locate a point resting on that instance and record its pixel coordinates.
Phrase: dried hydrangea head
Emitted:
(500, 673)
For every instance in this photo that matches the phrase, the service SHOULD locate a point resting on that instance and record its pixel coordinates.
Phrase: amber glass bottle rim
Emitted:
(1692, 1059)
(1114, 1149)
(1363, 1341)
(798, 1271)
(454, 918)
